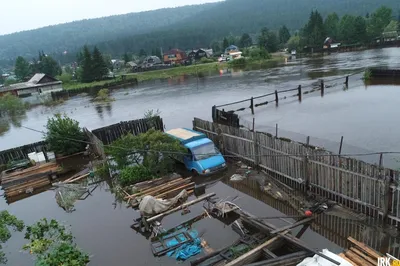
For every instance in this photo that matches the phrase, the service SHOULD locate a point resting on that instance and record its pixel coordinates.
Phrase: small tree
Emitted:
(22, 69)
(146, 155)
(11, 105)
(99, 66)
(64, 135)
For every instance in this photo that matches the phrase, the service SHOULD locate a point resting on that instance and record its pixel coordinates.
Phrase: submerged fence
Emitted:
(19, 153)
(96, 139)
(334, 226)
(230, 117)
(368, 188)
(113, 132)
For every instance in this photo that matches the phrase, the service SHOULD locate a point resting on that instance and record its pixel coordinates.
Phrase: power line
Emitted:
(230, 156)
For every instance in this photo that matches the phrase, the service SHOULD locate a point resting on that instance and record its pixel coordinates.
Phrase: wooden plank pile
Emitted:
(29, 179)
(360, 254)
(162, 188)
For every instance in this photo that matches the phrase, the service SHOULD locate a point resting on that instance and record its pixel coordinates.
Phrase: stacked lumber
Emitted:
(360, 254)
(161, 189)
(29, 179)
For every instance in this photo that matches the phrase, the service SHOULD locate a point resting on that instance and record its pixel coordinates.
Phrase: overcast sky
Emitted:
(18, 15)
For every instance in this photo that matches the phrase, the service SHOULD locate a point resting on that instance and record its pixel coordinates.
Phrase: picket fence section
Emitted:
(366, 188)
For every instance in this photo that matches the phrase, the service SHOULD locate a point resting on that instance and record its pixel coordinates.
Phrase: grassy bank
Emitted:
(176, 72)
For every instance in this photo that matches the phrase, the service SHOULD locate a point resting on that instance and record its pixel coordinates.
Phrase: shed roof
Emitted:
(34, 82)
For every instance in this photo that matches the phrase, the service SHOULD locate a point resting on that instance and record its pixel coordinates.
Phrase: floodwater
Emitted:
(364, 114)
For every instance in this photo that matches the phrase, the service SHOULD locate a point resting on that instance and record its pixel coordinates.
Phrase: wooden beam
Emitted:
(242, 259)
(190, 185)
(347, 259)
(77, 178)
(154, 189)
(364, 256)
(358, 260)
(283, 260)
(291, 226)
(375, 255)
(180, 207)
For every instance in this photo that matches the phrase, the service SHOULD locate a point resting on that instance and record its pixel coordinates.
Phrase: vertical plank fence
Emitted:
(366, 188)
(113, 132)
(22, 152)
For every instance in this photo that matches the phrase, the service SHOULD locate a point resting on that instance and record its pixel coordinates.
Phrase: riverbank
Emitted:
(192, 70)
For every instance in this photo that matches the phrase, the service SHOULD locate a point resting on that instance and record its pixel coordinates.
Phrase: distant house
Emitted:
(175, 56)
(200, 53)
(231, 49)
(39, 86)
(151, 61)
(330, 43)
(117, 64)
(390, 36)
(132, 66)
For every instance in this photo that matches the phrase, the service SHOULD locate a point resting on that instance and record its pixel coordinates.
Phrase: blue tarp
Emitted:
(187, 250)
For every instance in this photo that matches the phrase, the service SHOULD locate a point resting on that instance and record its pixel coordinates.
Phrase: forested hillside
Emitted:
(183, 27)
(72, 36)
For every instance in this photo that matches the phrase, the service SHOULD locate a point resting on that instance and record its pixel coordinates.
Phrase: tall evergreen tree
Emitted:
(86, 65)
(245, 40)
(314, 32)
(268, 40)
(22, 69)
(126, 58)
(143, 53)
(360, 30)
(284, 35)
(99, 68)
(331, 25)
(378, 21)
(225, 43)
(49, 66)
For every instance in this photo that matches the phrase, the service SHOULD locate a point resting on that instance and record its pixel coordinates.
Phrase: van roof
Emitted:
(185, 135)
(197, 143)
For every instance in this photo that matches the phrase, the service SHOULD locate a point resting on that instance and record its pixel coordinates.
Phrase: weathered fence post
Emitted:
(255, 145)
(322, 87)
(341, 145)
(276, 130)
(214, 113)
(299, 88)
(276, 97)
(306, 171)
(306, 174)
(254, 123)
(386, 190)
(347, 81)
(252, 105)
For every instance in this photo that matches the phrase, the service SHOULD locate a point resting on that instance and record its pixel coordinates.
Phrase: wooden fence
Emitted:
(22, 152)
(113, 132)
(231, 118)
(366, 188)
(95, 144)
(332, 226)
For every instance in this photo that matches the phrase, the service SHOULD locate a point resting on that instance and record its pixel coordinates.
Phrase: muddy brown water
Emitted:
(365, 114)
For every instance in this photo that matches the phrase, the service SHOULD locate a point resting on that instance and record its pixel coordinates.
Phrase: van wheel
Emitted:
(194, 173)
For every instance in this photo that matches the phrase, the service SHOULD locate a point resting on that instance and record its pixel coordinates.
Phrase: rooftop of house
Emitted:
(38, 80)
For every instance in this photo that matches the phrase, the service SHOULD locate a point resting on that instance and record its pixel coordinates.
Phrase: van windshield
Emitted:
(204, 151)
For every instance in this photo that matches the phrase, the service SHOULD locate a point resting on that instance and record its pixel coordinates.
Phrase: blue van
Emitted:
(203, 157)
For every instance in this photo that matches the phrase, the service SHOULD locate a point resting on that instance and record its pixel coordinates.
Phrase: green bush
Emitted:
(12, 105)
(151, 150)
(240, 62)
(53, 244)
(8, 221)
(258, 53)
(104, 96)
(134, 174)
(65, 78)
(367, 74)
(205, 60)
(64, 135)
